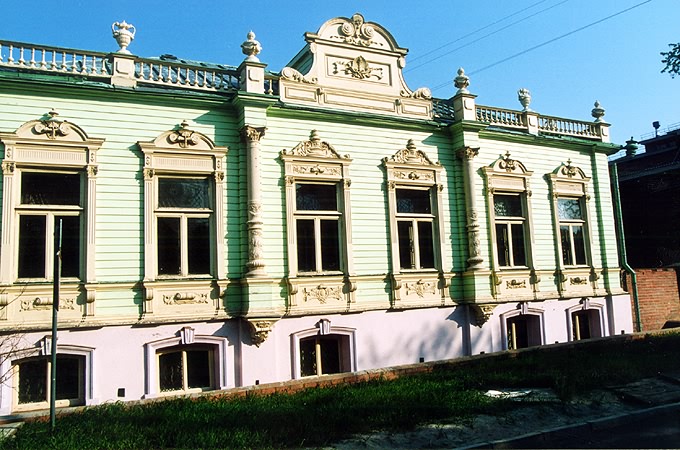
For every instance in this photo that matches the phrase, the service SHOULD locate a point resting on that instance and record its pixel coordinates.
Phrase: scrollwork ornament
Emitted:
(52, 127)
(219, 176)
(357, 32)
(184, 137)
(149, 173)
(92, 171)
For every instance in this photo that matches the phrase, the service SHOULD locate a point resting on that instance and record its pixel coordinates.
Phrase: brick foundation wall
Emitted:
(659, 298)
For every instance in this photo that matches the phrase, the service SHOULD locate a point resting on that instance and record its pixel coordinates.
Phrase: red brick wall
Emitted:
(659, 298)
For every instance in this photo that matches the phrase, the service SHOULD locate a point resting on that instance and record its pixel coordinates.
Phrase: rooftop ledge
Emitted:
(123, 69)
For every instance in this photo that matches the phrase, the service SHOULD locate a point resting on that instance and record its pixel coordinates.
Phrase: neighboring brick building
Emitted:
(649, 184)
(659, 298)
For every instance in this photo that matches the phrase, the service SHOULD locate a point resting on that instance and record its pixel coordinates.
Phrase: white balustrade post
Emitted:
(463, 102)
(251, 70)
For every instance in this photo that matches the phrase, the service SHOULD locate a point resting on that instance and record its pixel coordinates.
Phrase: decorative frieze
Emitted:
(186, 298)
(420, 288)
(45, 303)
(322, 294)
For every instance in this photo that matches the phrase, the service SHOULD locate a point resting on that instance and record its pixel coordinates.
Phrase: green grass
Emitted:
(320, 416)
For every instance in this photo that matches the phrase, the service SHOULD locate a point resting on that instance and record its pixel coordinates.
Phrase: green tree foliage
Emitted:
(672, 60)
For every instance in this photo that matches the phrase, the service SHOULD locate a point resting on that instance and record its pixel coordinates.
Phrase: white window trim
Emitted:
(323, 328)
(182, 153)
(585, 305)
(49, 145)
(8, 392)
(522, 309)
(316, 161)
(186, 337)
(570, 182)
(410, 168)
(507, 176)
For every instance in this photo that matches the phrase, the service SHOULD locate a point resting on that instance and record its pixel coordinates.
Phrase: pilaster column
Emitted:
(6, 256)
(251, 136)
(466, 155)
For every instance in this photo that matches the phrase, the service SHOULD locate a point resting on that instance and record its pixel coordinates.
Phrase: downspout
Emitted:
(618, 218)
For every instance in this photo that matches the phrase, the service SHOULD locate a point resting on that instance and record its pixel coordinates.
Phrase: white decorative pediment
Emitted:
(506, 164)
(314, 147)
(568, 172)
(410, 155)
(50, 128)
(182, 137)
(351, 64)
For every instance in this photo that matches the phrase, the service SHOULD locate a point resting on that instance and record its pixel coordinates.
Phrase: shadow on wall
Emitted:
(434, 340)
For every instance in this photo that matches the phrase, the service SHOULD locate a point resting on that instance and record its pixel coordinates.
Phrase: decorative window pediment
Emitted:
(511, 230)
(49, 178)
(568, 179)
(573, 235)
(183, 220)
(415, 205)
(319, 223)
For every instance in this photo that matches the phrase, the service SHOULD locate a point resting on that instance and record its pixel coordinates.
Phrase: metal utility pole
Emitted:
(55, 309)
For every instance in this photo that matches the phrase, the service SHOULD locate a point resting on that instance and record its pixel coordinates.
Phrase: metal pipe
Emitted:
(55, 309)
(623, 257)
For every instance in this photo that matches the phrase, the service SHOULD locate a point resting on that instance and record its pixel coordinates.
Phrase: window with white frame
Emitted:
(32, 381)
(414, 202)
(415, 228)
(323, 350)
(572, 231)
(184, 197)
(570, 215)
(49, 200)
(509, 193)
(317, 228)
(586, 324)
(188, 368)
(522, 327)
(186, 363)
(510, 223)
(184, 213)
(49, 179)
(317, 209)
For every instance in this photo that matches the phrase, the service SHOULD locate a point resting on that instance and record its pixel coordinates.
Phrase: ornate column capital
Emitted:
(252, 134)
(467, 153)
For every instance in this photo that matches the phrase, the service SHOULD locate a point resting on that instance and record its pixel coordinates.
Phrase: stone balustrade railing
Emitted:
(150, 71)
(526, 120)
(19, 55)
(177, 74)
(498, 116)
(568, 127)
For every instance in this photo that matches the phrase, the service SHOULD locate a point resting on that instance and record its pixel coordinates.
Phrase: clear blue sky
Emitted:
(615, 61)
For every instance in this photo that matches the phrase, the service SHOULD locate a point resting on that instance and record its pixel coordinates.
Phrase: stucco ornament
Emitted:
(357, 32)
(597, 112)
(524, 97)
(462, 82)
(52, 127)
(123, 33)
(183, 136)
(251, 48)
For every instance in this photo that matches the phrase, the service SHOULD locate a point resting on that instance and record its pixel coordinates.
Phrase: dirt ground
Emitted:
(535, 412)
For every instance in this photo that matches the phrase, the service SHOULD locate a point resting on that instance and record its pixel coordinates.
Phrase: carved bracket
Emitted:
(259, 330)
(482, 313)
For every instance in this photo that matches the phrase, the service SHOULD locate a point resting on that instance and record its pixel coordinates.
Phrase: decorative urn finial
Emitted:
(631, 147)
(251, 48)
(462, 81)
(123, 33)
(524, 97)
(597, 112)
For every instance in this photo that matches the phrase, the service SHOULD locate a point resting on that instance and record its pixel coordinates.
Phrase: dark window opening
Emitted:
(42, 188)
(320, 355)
(169, 247)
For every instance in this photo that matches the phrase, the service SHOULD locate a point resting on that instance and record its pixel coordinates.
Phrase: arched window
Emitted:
(323, 350)
(185, 363)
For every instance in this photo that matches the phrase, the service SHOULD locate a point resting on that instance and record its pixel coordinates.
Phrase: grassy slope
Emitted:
(323, 415)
